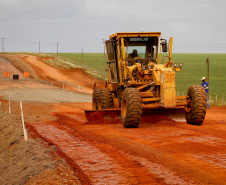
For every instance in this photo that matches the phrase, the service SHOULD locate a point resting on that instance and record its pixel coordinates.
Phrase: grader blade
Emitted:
(97, 115)
(177, 114)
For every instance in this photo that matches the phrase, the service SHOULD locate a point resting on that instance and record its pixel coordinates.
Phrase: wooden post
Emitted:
(82, 58)
(57, 48)
(22, 116)
(3, 45)
(104, 47)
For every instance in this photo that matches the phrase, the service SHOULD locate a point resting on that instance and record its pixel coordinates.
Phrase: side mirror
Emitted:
(164, 46)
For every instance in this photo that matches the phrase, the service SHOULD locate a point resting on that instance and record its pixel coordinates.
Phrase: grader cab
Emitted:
(141, 83)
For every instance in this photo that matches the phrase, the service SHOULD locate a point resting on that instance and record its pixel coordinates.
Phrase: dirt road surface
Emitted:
(160, 151)
(7, 66)
(77, 77)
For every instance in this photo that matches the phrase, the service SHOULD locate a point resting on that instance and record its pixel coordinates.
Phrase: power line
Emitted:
(82, 41)
(3, 45)
(100, 39)
(52, 42)
(208, 45)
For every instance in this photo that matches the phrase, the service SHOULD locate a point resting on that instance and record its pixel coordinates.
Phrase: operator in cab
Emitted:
(133, 54)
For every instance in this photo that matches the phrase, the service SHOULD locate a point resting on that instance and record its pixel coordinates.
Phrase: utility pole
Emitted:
(3, 45)
(82, 58)
(104, 47)
(39, 47)
(208, 74)
(57, 48)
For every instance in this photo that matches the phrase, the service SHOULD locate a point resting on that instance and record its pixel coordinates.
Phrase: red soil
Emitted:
(160, 151)
(72, 77)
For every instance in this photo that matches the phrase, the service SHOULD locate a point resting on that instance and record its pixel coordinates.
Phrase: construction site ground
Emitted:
(62, 148)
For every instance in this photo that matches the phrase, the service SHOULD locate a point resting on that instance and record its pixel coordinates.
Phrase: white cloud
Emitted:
(190, 22)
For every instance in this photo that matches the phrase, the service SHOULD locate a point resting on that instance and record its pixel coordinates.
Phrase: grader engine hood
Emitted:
(168, 88)
(156, 75)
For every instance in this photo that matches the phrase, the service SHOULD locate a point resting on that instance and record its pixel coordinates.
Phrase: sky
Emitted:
(197, 26)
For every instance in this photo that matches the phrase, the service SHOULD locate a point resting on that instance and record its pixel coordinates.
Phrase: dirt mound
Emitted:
(28, 162)
(74, 76)
(19, 64)
(80, 75)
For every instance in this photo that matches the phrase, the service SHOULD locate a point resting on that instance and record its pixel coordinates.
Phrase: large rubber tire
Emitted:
(95, 99)
(105, 99)
(197, 105)
(131, 108)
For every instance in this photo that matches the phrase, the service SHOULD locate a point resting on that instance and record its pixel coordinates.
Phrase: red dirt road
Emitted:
(7, 66)
(160, 151)
(73, 76)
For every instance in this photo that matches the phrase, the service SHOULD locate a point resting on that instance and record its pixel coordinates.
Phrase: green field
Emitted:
(194, 67)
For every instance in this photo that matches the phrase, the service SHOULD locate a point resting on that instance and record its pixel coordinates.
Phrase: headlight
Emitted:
(181, 64)
(175, 65)
(149, 67)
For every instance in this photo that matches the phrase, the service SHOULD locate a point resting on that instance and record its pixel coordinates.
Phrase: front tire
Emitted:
(95, 99)
(105, 99)
(197, 105)
(131, 108)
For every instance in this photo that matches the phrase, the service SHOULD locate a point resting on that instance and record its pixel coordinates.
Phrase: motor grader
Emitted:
(141, 83)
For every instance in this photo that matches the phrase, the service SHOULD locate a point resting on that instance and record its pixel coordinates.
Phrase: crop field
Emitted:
(194, 67)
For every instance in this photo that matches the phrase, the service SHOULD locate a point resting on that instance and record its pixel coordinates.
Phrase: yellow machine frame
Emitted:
(140, 85)
(161, 75)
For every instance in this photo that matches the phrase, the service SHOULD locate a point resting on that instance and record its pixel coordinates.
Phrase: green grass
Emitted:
(194, 67)
(94, 60)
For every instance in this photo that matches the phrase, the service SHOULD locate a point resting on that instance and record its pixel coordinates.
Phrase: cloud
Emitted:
(190, 22)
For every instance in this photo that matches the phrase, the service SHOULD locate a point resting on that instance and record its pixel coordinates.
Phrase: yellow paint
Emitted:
(155, 81)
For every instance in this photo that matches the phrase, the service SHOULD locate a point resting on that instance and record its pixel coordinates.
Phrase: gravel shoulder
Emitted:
(40, 93)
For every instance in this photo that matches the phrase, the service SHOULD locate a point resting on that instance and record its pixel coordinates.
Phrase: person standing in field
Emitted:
(206, 87)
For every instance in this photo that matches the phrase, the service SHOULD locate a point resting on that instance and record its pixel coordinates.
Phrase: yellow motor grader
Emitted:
(141, 83)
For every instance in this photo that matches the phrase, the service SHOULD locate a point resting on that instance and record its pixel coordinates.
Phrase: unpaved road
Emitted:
(160, 151)
(7, 66)
(74, 77)
(30, 91)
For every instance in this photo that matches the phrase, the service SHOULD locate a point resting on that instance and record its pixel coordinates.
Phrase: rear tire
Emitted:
(105, 99)
(131, 108)
(197, 105)
(95, 99)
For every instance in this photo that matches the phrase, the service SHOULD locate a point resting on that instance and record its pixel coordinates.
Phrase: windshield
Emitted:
(141, 47)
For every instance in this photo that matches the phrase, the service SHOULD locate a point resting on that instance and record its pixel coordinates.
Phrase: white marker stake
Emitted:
(24, 129)
(9, 106)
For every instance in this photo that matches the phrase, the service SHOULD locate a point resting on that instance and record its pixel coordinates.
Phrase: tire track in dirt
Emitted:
(132, 150)
(162, 142)
(96, 165)
(103, 164)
